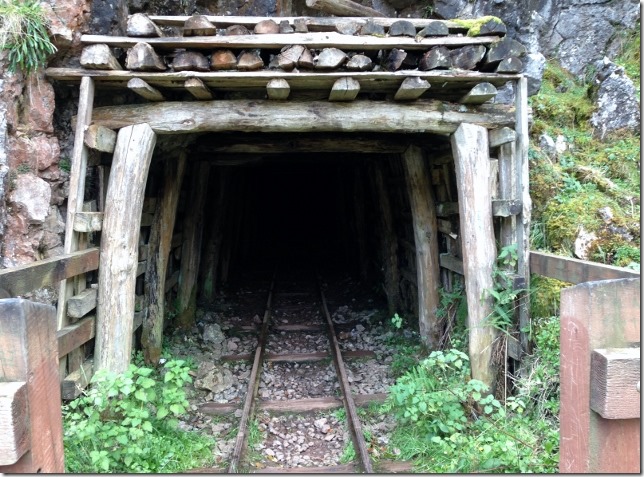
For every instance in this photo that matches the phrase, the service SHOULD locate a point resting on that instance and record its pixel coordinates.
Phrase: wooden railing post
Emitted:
(596, 316)
(31, 430)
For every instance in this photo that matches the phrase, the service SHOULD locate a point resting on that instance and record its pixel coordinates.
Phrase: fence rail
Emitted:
(573, 270)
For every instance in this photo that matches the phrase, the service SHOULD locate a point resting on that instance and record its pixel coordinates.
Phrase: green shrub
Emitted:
(23, 35)
(128, 423)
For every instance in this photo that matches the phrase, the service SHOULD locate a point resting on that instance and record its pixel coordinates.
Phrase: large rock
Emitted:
(616, 99)
(37, 153)
(213, 377)
(38, 106)
(32, 195)
(534, 64)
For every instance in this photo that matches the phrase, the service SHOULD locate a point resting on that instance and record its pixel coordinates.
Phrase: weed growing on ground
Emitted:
(129, 423)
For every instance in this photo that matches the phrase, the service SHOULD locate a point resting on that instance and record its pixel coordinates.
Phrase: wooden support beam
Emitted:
(614, 375)
(278, 89)
(278, 41)
(343, 8)
(81, 304)
(25, 278)
(28, 344)
(507, 181)
(191, 252)
(14, 422)
(88, 221)
(117, 273)
(411, 89)
(344, 89)
(498, 137)
(506, 207)
(573, 270)
(198, 89)
(270, 116)
(100, 138)
(160, 242)
(144, 90)
(423, 208)
(472, 165)
(74, 384)
(449, 261)
(73, 336)
(479, 94)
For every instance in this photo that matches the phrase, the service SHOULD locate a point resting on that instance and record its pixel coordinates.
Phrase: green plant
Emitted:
(23, 168)
(396, 321)
(128, 423)
(348, 453)
(503, 292)
(452, 310)
(24, 35)
(65, 164)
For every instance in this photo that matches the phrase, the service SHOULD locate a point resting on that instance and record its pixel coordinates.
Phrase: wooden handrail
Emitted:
(25, 278)
(573, 270)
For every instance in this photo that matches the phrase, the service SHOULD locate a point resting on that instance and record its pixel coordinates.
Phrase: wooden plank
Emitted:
(170, 117)
(344, 89)
(277, 41)
(449, 261)
(81, 304)
(423, 208)
(364, 400)
(506, 207)
(88, 221)
(411, 89)
(25, 278)
(160, 242)
(119, 243)
(172, 281)
(472, 165)
(14, 422)
(498, 137)
(445, 209)
(614, 376)
(73, 336)
(596, 315)
(218, 408)
(74, 384)
(395, 467)
(507, 183)
(332, 469)
(301, 405)
(346, 8)
(278, 89)
(144, 90)
(296, 327)
(191, 251)
(100, 138)
(28, 354)
(573, 270)
(479, 94)
(198, 89)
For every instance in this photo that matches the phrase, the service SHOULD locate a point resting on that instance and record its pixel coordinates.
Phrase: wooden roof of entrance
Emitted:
(339, 59)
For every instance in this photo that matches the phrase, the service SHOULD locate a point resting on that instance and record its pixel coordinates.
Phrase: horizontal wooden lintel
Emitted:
(614, 376)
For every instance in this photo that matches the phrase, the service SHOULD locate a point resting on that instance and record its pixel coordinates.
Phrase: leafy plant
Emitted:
(128, 423)
(24, 35)
(396, 321)
(503, 292)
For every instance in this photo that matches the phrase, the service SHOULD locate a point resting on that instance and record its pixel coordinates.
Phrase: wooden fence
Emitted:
(596, 318)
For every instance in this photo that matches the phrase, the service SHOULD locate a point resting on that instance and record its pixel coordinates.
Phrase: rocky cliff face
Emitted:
(33, 177)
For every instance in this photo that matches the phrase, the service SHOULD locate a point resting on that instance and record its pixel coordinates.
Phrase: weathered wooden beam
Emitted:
(498, 137)
(278, 89)
(449, 261)
(144, 90)
(472, 165)
(278, 41)
(14, 422)
(73, 336)
(88, 221)
(423, 208)
(479, 94)
(411, 89)
(100, 138)
(270, 116)
(81, 304)
(28, 344)
(506, 207)
(344, 89)
(160, 243)
(199, 90)
(343, 8)
(25, 278)
(573, 270)
(117, 273)
(74, 384)
(614, 375)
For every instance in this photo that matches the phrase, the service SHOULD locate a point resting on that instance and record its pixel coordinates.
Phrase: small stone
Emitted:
(266, 27)
(238, 413)
(434, 29)
(372, 28)
(402, 28)
(359, 63)
(237, 30)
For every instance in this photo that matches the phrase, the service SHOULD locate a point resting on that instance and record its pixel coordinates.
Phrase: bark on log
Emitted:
(119, 247)
(472, 164)
(421, 200)
(343, 8)
(160, 242)
(240, 115)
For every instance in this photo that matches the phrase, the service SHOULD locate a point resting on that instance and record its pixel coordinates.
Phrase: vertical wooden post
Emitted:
(523, 219)
(157, 262)
(191, 251)
(389, 239)
(472, 165)
(29, 354)
(423, 210)
(75, 199)
(507, 183)
(119, 247)
(604, 314)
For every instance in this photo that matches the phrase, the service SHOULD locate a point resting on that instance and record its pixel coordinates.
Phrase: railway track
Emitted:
(298, 344)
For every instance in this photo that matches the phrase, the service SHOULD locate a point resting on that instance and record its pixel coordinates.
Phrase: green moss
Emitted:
(629, 53)
(545, 296)
(474, 25)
